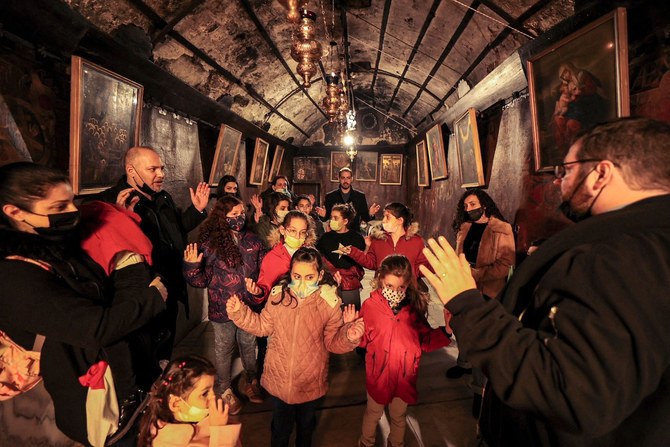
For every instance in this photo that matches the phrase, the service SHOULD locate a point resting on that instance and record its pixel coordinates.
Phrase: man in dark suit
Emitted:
(346, 194)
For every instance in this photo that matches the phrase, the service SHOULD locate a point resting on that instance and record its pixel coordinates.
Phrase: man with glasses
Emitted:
(577, 350)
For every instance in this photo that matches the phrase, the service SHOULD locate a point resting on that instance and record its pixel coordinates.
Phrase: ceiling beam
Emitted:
(266, 36)
(505, 15)
(159, 22)
(382, 34)
(178, 17)
(415, 49)
(537, 7)
(447, 49)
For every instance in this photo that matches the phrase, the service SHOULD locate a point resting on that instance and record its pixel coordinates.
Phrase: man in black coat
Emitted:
(577, 352)
(346, 194)
(141, 189)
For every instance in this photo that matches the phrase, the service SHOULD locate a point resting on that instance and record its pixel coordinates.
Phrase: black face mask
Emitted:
(476, 214)
(572, 214)
(61, 225)
(145, 188)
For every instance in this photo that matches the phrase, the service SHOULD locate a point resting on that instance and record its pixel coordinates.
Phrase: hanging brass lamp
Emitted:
(305, 49)
(332, 100)
(293, 7)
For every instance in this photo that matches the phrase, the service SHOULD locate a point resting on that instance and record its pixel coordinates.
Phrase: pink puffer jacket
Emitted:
(301, 335)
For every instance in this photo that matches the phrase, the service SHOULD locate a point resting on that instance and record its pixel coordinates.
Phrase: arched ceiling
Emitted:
(407, 58)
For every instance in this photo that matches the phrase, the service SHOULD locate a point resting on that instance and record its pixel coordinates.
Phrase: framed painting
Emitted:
(468, 149)
(338, 160)
(105, 113)
(391, 172)
(436, 154)
(226, 156)
(580, 81)
(366, 166)
(276, 163)
(259, 161)
(306, 169)
(422, 164)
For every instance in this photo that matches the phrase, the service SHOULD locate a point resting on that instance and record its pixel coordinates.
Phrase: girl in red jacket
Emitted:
(396, 332)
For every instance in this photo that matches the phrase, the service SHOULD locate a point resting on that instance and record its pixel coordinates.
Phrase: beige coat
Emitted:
(495, 256)
(301, 335)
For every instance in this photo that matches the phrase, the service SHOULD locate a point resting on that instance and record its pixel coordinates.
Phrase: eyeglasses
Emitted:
(294, 233)
(559, 170)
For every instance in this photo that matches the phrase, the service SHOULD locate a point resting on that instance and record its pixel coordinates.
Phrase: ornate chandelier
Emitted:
(293, 7)
(332, 100)
(305, 49)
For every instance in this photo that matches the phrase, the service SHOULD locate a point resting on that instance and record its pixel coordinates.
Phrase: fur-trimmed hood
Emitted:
(275, 237)
(377, 232)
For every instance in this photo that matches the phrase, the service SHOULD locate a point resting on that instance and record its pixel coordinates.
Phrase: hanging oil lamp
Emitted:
(293, 7)
(305, 49)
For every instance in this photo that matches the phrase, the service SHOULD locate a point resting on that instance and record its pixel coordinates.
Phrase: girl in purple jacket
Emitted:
(396, 332)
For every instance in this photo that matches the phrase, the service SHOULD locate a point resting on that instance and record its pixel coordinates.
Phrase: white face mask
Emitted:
(194, 414)
(394, 297)
(281, 214)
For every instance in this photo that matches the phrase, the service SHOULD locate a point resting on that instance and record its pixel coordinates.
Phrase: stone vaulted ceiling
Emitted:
(406, 58)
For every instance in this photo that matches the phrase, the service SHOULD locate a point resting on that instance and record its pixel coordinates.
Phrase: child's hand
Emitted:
(355, 331)
(349, 314)
(338, 278)
(191, 253)
(233, 304)
(252, 287)
(218, 412)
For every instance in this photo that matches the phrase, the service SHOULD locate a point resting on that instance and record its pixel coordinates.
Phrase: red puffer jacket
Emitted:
(351, 277)
(394, 344)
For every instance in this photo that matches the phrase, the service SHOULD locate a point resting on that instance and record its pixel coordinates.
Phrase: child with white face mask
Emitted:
(183, 410)
(396, 333)
(304, 323)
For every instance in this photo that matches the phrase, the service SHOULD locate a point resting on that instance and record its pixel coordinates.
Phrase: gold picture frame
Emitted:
(391, 169)
(226, 155)
(437, 156)
(575, 83)
(259, 162)
(422, 164)
(469, 151)
(105, 112)
(276, 163)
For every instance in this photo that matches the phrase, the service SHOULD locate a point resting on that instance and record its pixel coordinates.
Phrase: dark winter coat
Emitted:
(356, 198)
(82, 316)
(351, 272)
(223, 281)
(167, 228)
(394, 344)
(587, 363)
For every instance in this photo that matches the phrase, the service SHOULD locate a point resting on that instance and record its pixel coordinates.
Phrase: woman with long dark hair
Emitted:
(487, 240)
(227, 255)
(52, 288)
(275, 208)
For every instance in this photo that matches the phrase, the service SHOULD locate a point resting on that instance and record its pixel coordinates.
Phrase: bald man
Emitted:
(141, 189)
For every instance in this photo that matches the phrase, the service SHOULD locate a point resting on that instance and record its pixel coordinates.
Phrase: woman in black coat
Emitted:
(51, 287)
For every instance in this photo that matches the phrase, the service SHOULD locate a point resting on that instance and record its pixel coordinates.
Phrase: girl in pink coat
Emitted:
(396, 333)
